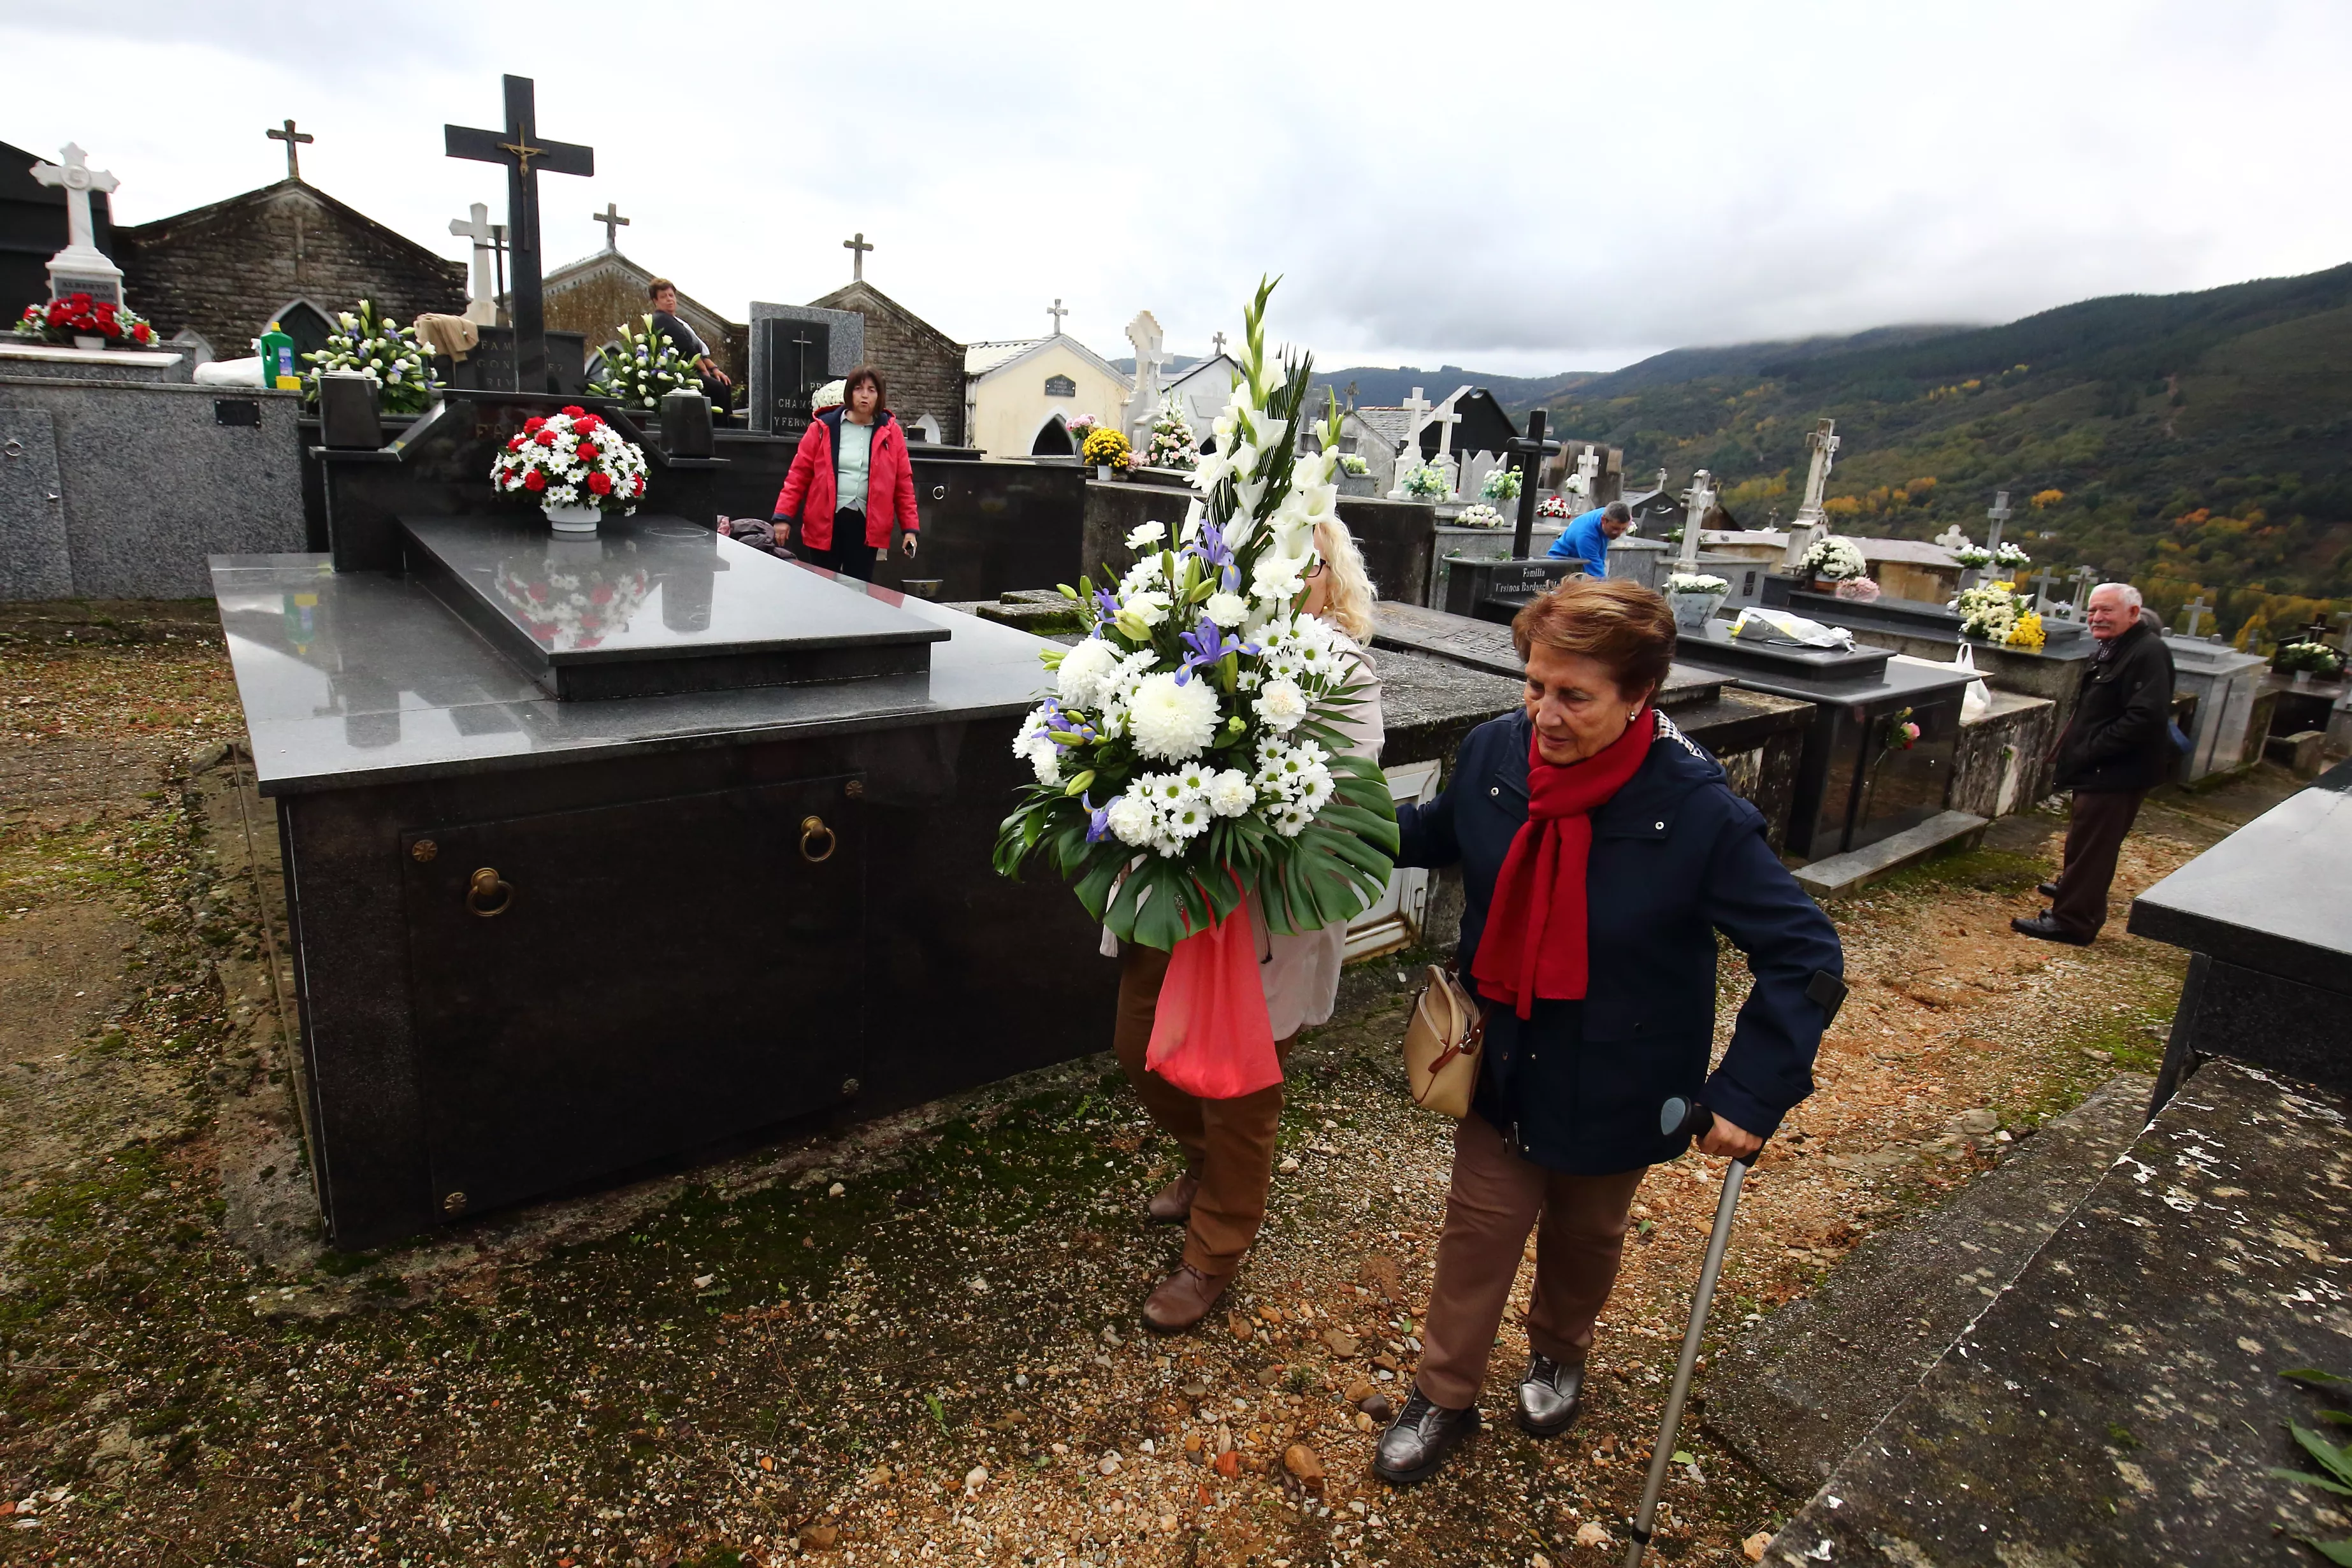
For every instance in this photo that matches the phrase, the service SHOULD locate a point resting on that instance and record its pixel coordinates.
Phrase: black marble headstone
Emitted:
(800, 352)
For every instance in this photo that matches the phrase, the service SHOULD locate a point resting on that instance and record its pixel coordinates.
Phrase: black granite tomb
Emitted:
(541, 943)
(1853, 788)
(800, 352)
(1499, 590)
(2265, 919)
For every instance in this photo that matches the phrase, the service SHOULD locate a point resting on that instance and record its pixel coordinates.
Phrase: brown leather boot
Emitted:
(1183, 1299)
(1174, 1202)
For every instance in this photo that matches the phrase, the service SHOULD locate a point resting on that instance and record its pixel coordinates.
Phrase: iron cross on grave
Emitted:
(526, 156)
(857, 246)
(292, 137)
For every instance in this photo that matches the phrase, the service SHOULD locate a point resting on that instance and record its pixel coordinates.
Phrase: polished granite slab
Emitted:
(653, 605)
(1718, 649)
(1486, 646)
(2271, 897)
(356, 679)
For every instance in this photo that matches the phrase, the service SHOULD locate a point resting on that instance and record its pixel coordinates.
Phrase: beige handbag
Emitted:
(1441, 1045)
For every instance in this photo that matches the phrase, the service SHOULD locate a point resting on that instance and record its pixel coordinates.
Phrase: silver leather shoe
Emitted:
(1418, 1440)
(1550, 1396)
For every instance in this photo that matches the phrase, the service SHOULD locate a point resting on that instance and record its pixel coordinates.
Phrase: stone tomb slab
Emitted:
(2121, 1401)
(654, 605)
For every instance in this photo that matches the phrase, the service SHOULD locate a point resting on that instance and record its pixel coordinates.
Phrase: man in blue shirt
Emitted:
(1587, 539)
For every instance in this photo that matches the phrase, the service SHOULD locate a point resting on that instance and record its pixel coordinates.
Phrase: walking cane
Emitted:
(1678, 1115)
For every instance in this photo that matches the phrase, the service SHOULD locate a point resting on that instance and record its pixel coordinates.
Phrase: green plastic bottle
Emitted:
(277, 360)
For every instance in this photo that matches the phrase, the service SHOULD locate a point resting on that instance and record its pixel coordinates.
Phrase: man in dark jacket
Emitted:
(2117, 748)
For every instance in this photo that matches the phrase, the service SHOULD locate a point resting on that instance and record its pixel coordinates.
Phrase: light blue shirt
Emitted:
(850, 465)
(1584, 538)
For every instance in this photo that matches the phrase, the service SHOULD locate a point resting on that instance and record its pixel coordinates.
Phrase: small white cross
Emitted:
(858, 247)
(1057, 312)
(74, 173)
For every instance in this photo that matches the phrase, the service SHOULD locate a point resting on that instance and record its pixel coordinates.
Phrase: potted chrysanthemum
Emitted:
(1107, 451)
(1832, 559)
(575, 465)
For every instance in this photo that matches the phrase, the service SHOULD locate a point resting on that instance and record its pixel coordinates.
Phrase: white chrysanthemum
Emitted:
(1146, 535)
(1187, 818)
(1281, 704)
(1046, 761)
(1276, 578)
(1316, 790)
(1227, 609)
(1162, 789)
(1291, 820)
(1230, 794)
(1196, 778)
(1131, 818)
(1087, 670)
(1148, 572)
(1169, 721)
(1149, 608)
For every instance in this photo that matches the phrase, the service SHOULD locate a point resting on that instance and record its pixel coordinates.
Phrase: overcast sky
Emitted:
(1517, 189)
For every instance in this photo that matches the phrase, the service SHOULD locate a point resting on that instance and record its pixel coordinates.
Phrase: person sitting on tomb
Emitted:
(2116, 748)
(851, 481)
(1601, 851)
(1587, 537)
(1228, 1144)
(715, 383)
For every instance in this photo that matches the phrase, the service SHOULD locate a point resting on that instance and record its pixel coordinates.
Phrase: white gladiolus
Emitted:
(1281, 704)
(1227, 609)
(1169, 721)
(1146, 535)
(1086, 670)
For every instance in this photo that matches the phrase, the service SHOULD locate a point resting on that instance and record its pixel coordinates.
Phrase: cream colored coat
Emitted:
(1300, 973)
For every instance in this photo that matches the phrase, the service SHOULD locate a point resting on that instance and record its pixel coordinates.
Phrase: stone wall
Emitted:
(148, 479)
(225, 270)
(1997, 766)
(922, 366)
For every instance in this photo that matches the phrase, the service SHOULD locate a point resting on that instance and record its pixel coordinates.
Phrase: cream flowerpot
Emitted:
(87, 343)
(575, 520)
(1694, 610)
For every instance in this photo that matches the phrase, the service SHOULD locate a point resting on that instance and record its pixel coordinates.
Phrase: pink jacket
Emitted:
(807, 498)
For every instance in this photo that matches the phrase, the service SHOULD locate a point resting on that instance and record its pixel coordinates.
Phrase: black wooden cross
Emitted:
(1527, 454)
(293, 158)
(526, 156)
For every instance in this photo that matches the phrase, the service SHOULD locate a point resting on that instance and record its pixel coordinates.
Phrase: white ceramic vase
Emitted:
(87, 343)
(576, 521)
(1694, 610)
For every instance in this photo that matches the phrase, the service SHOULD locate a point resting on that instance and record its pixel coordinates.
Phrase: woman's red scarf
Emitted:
(1535, 940)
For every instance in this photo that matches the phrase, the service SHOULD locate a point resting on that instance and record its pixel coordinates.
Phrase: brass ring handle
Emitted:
(810, 828)
(485, 884)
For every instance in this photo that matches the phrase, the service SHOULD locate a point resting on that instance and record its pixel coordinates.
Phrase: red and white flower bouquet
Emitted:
(575, 465)
(78, 316)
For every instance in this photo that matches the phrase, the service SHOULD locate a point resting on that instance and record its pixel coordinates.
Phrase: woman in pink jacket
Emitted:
(850, 482)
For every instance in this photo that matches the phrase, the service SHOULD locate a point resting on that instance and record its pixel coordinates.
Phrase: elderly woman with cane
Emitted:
(1601, 851)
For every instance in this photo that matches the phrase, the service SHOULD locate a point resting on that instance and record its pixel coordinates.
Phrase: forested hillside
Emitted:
(2193, 444)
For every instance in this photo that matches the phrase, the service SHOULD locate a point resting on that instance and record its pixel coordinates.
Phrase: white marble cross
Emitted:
(2192, 613)
(1999, 512)
(1056, 311)
(1587, 472)
(1445, 419)
(81, 266)
(1824, 442)
(1409, 455)
(1702, 502)
(482, 308)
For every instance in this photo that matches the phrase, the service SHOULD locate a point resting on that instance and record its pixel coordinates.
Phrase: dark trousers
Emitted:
(850, 555)
(2095, 826)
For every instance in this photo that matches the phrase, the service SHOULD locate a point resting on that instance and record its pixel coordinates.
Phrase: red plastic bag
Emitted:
(1210, 1035)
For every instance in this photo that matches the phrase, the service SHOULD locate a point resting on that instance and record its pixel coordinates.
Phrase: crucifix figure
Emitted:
(1057, 312)
(2192, 613)
(858, 247)
(613, 224)
(82, 268)
(526, 156)
(482, 309)
(293, 156)
(1998, 514)
(1701, 502)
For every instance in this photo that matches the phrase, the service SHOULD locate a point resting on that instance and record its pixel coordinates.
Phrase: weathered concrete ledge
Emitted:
(1804, 1387)
(1844, 872)
(2121, 1401)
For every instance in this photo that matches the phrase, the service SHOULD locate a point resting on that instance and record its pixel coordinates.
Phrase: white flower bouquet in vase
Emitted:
(1189, 760)
(576, 467)
(1832, 559)
(1694, 596)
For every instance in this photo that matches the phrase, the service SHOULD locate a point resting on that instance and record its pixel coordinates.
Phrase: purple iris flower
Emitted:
(1106, 604)
(1208, 644)
(1209, 544)
(1099, 818)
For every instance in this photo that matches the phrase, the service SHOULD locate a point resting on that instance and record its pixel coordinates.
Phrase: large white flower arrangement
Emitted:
(1188, 755)
(1833, 557)
(1427, 482)
(1989, 612)
(1478, 514)
(1972, 555)
(642, 367)
(572, 459)
(1682, 583)
(384, 351)
(1172, 436)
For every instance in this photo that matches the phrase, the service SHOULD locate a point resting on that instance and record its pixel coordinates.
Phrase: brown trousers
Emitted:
(1496, 1198)
(2095, 826)
(1228, 1143)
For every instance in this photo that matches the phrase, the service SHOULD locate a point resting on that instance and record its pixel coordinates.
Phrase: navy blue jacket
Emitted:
(1675, 858)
